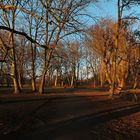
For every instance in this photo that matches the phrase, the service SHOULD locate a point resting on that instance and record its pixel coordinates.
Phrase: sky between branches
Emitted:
(108, 9)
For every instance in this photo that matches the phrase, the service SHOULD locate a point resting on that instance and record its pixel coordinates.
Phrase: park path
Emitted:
(56, 116)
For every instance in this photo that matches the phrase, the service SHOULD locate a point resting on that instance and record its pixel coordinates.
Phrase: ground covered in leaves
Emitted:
(124, 128)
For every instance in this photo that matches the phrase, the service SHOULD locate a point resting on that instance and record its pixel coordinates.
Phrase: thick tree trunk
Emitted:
(33, 80)
(46, 66)
(33, 57)
(20, 81)
(46, 56)
(15, 74)
(15, 71)
(16, 88)
(101, 80)
(108, 77)
(122, 84)
(135, 81)
(56, 79)
(15, 80)
(116, 48)
(33, 85)
(62, 83)
(111, 90)
(78, 70)
(72, 81)
(42, 82)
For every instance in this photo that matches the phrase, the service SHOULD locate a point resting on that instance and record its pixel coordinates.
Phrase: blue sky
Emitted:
(107, 9)
(104, 9)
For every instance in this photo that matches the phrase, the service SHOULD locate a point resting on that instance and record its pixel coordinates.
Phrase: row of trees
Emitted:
(101, 40)
(35, 27)
(35, 46)
(118, 48)
(63, 70)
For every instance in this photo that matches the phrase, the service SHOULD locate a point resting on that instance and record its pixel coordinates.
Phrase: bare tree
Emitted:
(64, 23)
(10, 22)
(59, 19)
(102, 38)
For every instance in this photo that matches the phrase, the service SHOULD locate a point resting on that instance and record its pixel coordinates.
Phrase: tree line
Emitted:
(35, 48)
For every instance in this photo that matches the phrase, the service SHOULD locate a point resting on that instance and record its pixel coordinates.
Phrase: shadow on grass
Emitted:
(76, 124)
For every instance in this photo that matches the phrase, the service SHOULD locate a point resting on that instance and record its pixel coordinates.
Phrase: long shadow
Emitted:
(82, 122)
(74, 124)
(85, 122)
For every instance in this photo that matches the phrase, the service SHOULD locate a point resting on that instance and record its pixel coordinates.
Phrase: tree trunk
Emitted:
(122, 84)
(46, 62)
(101, 80)
(15, 72)
(15, 80)
(33, 85)
(116, 48)
(20, 81)
(78, 70)
(42, 82)
(135, 81)
(16, 86)
(56, 79)
(72, 81)
(62, 83)
(33, 80)
(33, 57)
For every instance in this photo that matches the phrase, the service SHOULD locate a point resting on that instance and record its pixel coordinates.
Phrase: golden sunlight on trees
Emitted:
(70, 65)
(101, 39)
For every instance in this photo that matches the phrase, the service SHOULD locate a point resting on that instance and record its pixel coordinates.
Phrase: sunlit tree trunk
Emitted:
(56, 79)
(135, 81)
(33, 57)
(46, 58)
(14, 64)
(33, 79)
(78, 70)
(72, 80)
(116, 50)
(42, 82)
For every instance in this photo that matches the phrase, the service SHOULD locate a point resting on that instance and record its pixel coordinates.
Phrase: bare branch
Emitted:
(23, 34)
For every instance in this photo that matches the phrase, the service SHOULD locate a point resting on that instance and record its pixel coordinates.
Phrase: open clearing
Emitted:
(74, 115)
